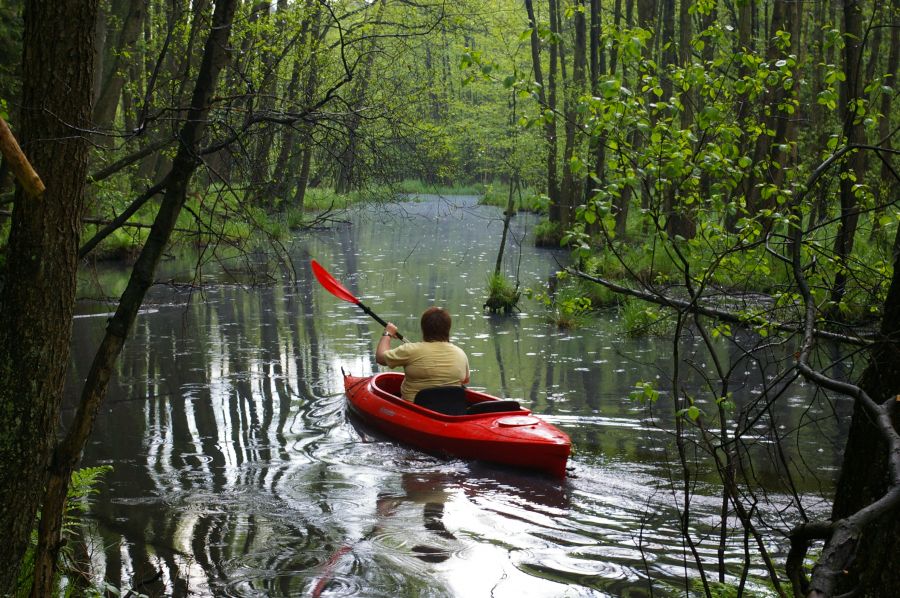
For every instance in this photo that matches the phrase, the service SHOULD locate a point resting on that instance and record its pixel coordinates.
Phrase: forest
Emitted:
(724, 169)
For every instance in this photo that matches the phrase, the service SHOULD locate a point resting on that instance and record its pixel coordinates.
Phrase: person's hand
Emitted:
(391, 330)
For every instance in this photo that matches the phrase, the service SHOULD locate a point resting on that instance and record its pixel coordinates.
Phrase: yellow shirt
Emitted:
(428, 364)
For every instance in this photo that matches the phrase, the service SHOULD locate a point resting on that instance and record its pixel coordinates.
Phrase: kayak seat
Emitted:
(493, 407)
(449, 400)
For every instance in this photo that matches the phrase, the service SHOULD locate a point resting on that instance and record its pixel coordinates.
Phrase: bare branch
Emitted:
(712, 312)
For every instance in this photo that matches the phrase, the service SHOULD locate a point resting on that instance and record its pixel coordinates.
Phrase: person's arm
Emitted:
(384, 343)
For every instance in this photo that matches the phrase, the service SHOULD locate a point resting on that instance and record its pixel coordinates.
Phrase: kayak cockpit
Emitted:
(387, 386)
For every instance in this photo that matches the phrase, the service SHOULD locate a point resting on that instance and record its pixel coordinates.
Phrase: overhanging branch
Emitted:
(712, 312)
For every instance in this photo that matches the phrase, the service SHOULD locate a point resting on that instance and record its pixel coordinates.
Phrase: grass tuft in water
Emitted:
(502, 294)
(548, 234)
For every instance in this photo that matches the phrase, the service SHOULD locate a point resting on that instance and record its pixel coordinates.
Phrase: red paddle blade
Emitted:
(331, 285)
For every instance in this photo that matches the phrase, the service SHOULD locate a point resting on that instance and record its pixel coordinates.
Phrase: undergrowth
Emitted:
(73, 576)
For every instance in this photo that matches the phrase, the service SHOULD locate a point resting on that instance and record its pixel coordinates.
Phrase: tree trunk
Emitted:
(571, 189)
(646, 13)
(853, 168)
(260, 165)
(309, 93)
(38, 290)
(681, 219)
(622, 202)
(864, 474)
(766, 150)
(108, 102)
(68, 452)
(886, 185)
(507, 217)
(556, 204)
(281, 184)
(549, 123)
(598, 67)
(347, 175)
(817, 113)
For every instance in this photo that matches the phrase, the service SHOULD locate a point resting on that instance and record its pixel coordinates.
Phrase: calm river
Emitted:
(237, 471)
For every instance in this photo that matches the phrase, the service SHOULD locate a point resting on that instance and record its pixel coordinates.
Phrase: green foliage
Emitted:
(418, 187)
(123, 244)
(497, 194)
(71, 577)
(567, 307)
(642, 319)
(644, 392)
(599, 295)
(10, 53)
(622, 261)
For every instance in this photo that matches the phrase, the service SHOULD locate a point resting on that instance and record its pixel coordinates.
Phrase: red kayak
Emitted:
(514, 437)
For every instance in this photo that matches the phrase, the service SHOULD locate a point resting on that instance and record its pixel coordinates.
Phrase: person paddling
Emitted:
(435, 369)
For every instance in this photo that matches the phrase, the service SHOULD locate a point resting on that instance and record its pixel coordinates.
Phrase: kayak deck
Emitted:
(515, 438)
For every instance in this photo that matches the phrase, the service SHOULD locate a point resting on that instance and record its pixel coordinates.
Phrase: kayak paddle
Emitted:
(337, 289)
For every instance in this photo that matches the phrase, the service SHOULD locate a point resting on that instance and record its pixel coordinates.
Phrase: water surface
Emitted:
(237, 471)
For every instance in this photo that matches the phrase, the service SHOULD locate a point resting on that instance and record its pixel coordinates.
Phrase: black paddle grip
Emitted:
(375, 316)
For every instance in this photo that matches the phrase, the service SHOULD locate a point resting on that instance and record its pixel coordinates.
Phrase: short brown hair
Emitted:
(436, 324)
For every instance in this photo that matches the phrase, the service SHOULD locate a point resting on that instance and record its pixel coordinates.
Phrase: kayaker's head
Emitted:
(436, 325)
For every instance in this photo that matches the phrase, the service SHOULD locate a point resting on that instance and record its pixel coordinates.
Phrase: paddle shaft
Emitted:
(375, 316)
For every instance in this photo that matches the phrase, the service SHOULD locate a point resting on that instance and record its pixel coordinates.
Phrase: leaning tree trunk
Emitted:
(279, 187)
(38, 281)
(68, 452)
